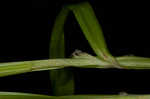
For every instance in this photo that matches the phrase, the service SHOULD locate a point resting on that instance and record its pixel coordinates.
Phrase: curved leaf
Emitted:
(62, 81)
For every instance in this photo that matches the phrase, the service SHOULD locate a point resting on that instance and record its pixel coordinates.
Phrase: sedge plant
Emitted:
(62, 78)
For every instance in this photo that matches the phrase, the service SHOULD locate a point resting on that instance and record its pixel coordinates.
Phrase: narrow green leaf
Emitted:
(106, 97)
(12, 95)
(62, 79)
(92, 31)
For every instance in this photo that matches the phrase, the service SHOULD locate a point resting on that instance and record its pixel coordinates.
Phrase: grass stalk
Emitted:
(83, 61)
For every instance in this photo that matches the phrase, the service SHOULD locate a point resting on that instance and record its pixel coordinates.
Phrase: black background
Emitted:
(25, 34)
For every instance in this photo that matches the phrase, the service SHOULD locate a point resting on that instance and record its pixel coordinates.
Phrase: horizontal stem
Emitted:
(127, 62)
(11, 95)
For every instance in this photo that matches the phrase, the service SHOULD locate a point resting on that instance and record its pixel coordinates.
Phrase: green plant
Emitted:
(61, 77)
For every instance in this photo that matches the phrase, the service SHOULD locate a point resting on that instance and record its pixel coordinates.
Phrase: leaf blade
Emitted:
(62, 80)
(92, 31)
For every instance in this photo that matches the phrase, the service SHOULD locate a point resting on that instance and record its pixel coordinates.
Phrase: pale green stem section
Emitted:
(128, 62)
(29, 66)
(13, 95)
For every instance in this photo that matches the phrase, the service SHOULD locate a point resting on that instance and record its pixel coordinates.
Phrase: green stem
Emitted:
(128, 62)
(13, 95)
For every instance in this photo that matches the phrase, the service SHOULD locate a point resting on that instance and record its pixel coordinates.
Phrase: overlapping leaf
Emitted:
(92, 31)
(62, 79)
